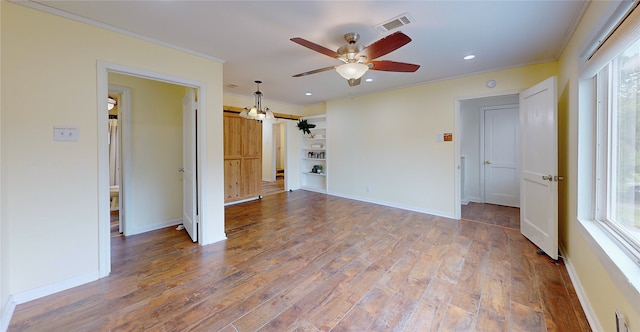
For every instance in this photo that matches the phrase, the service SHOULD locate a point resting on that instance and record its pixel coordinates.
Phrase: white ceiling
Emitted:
(252, 37)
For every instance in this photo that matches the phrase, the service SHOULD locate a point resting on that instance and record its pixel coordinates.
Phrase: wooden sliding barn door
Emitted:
(242, 158)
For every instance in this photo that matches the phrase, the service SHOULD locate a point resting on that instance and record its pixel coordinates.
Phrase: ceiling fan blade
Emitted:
(385, 65)
(385, 45)
(314, 71)
(316, 47)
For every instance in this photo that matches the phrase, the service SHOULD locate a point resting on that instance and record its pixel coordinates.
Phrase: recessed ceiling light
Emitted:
(369, 80)
(308, 93)
(469, 57)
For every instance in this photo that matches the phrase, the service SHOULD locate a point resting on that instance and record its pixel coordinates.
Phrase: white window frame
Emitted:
(605, 163)
(604, 45)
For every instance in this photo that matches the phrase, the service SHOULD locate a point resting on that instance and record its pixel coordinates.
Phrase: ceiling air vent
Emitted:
(394, 23)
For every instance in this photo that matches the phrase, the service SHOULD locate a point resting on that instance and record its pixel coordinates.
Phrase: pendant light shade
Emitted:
(353, 70)
(256, 112)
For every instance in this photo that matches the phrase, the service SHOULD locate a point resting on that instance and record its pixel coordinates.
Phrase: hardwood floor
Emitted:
(504, 216)
(273, 187)
(310, 262)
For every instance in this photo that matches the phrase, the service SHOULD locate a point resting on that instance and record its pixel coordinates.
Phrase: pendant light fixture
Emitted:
(256, 112)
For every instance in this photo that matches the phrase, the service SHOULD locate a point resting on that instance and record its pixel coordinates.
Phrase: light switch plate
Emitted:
(65, 134)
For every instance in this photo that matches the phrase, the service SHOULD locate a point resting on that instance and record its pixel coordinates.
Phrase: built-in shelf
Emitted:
(309, 180)
(315, 174)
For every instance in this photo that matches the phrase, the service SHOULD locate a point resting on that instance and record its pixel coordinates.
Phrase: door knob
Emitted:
(487, 162)
(547, 177)
(181, 169)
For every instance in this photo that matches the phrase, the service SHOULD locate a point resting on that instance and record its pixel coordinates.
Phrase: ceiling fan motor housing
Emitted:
(351, 50)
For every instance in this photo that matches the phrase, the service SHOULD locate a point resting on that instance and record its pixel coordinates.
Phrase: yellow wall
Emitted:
(603, 293)
(155, 185)
(315, 109)
(4, 233)
(49, 71)
(386, 142)
(49, 220)
(276, 107)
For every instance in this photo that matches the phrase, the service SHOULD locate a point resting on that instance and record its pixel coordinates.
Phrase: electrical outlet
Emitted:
(65, 134)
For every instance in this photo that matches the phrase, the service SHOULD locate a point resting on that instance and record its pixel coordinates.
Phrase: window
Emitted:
(618, 149)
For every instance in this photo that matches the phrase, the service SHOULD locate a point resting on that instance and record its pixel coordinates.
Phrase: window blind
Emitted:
(623, 35)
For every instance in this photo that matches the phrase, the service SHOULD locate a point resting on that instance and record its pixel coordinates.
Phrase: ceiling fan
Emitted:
(357, 59)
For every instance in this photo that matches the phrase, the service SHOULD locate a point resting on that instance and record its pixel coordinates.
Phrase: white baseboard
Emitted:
(393, 205)
(153, 227)
(242, 201)
(582, 296)
(7, 314)
(39, 292)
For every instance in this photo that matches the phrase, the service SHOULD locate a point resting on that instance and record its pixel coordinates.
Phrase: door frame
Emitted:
(124, 154)
(457, 191)
(484, 109)
(283, 142)
(104, 230)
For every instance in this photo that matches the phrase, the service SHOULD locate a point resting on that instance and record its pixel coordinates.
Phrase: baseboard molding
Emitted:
(393, 205)
(582, 296)
(153, 227)
(7, 314)
(39, 292)
(242, 201)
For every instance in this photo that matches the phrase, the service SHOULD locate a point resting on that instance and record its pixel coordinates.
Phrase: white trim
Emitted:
(58, 12)
(457, 209)
(124, 121)
(393, 205)
(457, 155)
(40, 292)
(154, 227)
(624, 272)
(242, 201)
(9, 308)
(594, 323)
(104, 210)
(103, 68)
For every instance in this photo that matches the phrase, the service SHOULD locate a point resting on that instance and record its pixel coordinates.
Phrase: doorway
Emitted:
(274, 156)
(115, 107)
(487, 173)
(135, 222)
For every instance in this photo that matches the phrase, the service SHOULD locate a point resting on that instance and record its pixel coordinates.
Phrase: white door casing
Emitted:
(501, 156)
(189, 198)
(539, 166)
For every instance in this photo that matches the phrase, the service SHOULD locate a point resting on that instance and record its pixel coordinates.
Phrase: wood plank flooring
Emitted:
(504, 216)
(273, 187)
(303, 261)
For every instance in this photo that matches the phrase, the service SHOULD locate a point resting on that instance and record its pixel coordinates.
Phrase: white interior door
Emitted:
(501, 151)
(189, 198)
(539, 165)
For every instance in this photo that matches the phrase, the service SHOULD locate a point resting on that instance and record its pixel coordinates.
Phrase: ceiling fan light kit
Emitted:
(357, 59)
(353, 70)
